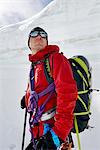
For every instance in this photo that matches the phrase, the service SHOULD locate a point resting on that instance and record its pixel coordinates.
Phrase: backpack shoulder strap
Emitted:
(47, 69)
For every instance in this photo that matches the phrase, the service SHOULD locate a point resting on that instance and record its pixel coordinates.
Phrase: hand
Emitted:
(22, 102)
(66, 146)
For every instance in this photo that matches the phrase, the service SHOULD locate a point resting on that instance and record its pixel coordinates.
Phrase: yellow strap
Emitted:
(48, 67)
(80, 99)
(89, 104)
(82, 64)
(83, 92)
(81, 75)
(77, 133)
(82, 113)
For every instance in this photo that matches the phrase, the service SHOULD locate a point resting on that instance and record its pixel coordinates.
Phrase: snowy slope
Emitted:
(72, 24)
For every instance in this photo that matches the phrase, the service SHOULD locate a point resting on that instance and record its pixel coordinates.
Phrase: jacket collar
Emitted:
(40, 55)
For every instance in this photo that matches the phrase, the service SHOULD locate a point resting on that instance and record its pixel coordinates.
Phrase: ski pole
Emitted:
(24, 129)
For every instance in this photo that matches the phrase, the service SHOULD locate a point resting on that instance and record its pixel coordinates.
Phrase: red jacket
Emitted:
(66, 91)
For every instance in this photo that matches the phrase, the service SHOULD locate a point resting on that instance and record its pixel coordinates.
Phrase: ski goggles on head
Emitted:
(36, 33)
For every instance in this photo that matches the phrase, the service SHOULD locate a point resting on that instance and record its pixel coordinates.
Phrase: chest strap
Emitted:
(33, 107)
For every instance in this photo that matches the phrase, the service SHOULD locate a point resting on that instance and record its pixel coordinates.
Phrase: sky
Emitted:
(13, 11)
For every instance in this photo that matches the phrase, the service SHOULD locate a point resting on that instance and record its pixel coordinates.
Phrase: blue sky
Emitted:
(13, 11)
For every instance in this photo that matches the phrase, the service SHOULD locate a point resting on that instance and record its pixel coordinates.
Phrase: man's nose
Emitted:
(38, 37)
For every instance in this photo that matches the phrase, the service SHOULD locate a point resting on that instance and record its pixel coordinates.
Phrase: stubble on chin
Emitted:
(34, 52)
(36, 49)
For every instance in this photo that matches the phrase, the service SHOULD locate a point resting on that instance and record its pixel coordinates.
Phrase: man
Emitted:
(50, 104)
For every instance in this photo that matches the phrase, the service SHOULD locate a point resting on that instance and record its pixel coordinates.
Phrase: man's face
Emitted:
(37, 43)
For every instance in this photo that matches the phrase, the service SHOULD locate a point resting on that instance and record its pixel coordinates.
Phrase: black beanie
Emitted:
(37, 29)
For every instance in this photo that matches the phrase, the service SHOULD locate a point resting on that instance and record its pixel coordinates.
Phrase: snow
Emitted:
(75, 27)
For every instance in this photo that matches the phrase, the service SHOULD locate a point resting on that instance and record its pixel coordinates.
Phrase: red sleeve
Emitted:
(66, 95)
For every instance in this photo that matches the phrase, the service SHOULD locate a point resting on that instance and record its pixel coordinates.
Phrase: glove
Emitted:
(66, 146)
(22, 103)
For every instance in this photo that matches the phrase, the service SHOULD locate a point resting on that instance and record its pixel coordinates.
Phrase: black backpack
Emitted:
(82, 74)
